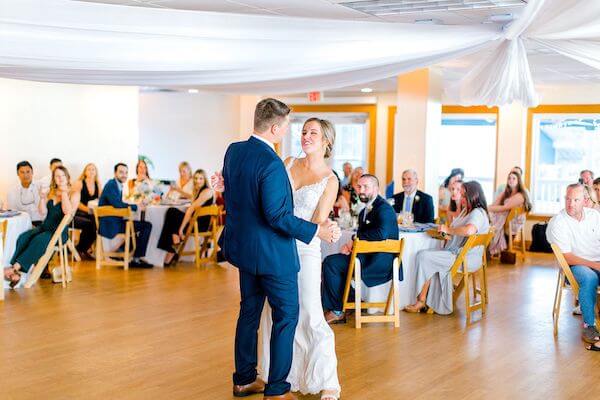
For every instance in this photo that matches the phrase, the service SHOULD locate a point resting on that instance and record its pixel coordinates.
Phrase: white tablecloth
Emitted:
(155, 214)
(16, 225)
(413, 243)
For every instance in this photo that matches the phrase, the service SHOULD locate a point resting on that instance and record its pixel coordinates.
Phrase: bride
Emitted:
(315, 189)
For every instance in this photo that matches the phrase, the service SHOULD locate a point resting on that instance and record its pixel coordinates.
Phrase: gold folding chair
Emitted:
(128, 236)
(3, 231)
(354, 272)
(564, 271)
(208, 237)
(55, 245)
(460, 270)
(512, 216)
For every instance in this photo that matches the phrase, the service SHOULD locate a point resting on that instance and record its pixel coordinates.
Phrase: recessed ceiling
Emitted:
(332, 9)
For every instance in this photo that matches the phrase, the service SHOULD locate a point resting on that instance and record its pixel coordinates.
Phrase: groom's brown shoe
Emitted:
(258, 386)
(285, 396)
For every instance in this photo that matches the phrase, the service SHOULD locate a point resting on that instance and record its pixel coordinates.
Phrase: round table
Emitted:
(16, 225)
(413, 243)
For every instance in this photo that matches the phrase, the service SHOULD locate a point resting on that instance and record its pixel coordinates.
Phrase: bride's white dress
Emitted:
(314, 364)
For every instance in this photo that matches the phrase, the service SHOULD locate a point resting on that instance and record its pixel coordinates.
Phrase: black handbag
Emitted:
(539, 243)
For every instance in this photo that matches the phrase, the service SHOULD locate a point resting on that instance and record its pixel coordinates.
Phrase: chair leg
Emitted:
(484, 271)
(99, 251)
(196, 249)
(396, 292)
(64, 266)
(74, 253)
(467, 298)
(357, 294)
(557, 301)
(127, 239)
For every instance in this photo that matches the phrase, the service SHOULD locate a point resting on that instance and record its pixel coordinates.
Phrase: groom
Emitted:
(259, 239)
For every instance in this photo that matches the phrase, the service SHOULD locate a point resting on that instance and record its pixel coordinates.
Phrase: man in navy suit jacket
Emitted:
(420, 204)
(376, 222)
(109, 227)
(260, 240)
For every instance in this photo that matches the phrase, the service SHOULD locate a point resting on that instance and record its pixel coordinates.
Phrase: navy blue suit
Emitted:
(109, 227)
(421, 209)
(379, 224)
(259, 239)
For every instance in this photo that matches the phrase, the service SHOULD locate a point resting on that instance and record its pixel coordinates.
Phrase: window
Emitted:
(562, 146)
(466, 141)
(351, 141)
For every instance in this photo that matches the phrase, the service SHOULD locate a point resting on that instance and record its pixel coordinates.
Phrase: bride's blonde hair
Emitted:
(328, 131)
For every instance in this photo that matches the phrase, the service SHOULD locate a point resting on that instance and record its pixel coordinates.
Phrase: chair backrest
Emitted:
(565, 267)
(473, 241)
(212, 211)
(385, 246)
(514, 213)
(3, 230)
(110, 211)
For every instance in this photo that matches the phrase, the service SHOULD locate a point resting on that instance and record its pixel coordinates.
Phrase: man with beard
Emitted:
(376, 222)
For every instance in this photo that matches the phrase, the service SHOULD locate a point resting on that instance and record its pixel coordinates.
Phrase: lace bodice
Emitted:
(307, 197)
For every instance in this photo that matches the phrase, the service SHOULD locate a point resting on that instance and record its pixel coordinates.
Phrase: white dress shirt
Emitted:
(271, 145)
(582, 238)
(26, 200)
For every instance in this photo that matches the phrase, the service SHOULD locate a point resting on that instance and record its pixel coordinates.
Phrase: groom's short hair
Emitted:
(269, 112)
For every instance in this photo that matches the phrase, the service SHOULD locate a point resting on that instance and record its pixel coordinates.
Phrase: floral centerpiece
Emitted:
(145, 192)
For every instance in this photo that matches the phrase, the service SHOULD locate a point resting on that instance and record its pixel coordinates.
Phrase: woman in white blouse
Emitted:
(184, 186)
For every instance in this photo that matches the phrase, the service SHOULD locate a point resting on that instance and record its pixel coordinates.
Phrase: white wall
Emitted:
(77, 123)
(193, 127)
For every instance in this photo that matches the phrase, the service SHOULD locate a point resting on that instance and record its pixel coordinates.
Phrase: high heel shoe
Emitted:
(414, 308)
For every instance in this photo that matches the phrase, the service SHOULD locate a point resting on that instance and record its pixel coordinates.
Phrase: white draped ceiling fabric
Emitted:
(75, 42)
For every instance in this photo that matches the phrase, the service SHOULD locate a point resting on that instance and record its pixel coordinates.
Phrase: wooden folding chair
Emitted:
(128, 236)
(354, 272)
(512, 216)
(564, 271)
(72, 241)
(208, 237)
(460, 270)
(55, 245)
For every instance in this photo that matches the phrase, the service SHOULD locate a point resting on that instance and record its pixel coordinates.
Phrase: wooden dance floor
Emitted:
(168, 334)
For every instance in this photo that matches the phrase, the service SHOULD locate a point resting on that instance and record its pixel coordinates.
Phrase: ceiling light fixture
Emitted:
(366, 90)
(396, 7)
(193, 91)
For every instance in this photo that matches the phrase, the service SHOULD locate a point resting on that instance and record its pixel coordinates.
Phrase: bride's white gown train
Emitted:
(314, 364)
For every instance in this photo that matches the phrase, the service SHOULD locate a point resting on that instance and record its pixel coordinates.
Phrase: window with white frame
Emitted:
(351, 141)
(562, 146)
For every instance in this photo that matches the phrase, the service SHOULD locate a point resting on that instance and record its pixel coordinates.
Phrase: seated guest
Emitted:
(457, 174)
(596, 187)
(88, 185)
(176, 220)
(502, 187)
(340, 203)
(376, 222)
(142, 178)
(586, 177)
(347, 167)
(414, 201)
(433, 266)
(351, 189)
(25, 196)
(575, 231)
(31, 245)
(44, 183)
(184, 187)
(588, 198)
(112, 195)
(514, 196)
(457, 203)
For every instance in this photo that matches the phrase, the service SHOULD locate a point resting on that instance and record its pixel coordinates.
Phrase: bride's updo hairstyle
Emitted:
(328, 133)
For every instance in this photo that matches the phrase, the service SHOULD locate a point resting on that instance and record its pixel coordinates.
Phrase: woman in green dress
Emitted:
(55, 204)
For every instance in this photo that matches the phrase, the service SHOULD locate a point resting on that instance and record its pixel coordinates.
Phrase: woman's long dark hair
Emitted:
(453, 206)
(198, 190)
(474, 196)
(520, 189)
(453, 173)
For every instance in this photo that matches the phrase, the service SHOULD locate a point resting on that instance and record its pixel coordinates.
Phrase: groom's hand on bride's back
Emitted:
(329, 231)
